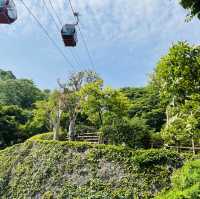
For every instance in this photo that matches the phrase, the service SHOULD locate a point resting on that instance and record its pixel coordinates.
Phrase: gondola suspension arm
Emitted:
(76, 15)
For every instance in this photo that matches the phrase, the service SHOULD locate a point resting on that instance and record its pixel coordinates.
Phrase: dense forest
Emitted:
(165, 112)
(87, 140)
(132, 116)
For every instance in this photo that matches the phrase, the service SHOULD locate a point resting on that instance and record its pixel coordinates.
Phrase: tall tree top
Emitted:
(177, 73)
(6, 75)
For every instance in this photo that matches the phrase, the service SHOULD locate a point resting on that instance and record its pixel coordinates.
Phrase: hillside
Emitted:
(40, 168)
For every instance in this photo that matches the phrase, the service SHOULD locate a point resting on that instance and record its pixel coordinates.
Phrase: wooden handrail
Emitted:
(182, 147)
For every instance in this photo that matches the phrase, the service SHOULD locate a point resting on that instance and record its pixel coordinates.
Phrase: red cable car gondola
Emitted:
(8, 12)
(69, 33)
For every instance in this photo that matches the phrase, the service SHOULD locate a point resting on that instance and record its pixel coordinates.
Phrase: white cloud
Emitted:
(132, 34)
(107, 19)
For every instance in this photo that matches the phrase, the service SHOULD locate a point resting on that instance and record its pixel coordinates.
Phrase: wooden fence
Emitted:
(183, 148)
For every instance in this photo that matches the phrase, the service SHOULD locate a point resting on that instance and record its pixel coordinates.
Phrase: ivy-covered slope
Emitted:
(43, 169)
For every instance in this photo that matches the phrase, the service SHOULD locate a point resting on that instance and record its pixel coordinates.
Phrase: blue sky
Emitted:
(126, 38)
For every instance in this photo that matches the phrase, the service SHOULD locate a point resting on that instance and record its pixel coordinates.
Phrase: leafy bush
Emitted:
(132, 132)
(186, 182)
(12, 120)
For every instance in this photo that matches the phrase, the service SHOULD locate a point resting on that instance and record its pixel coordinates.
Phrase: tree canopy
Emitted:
(193, 7)
(12, 120)
(20, 92)
(177, 73)
(177, 79)
(6, 75)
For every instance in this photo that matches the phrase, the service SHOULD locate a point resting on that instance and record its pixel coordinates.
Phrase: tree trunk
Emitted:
(56, 132)
(100, 117)
(177, 147)
(57, 124)
(71, 132)
(193, 146)
(167, 117)
(102, 134)
(57, 128)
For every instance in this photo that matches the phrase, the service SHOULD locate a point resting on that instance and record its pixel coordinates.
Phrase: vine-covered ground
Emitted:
(41, 168)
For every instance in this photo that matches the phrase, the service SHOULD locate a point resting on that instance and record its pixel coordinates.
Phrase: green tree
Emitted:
(108, 109)
(131, 132)
(92, 103)
(70, 96)
(102, 104)
(177, 80)
(12, 120)
(47, 116)
(177, 74)
(146, 105)
(191, 112)
(183, 127)
(20, 92)
(6, 75)
(174, 132)
(41, 118)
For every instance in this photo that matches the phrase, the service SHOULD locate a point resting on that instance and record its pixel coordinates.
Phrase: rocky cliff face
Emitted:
(42, 168)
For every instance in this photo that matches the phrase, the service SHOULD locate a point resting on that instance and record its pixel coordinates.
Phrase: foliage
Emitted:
(103, 105)
(70, 97)
(192, 6)
(17, 98)
(63, 169)
(12, 119)
(41, 118)
(6, 75)
(146, 105)
(92, 104)
(20, 92)
(186, 183)
(101, 109)
(184, 126)
(131, 132)
(177, 80)
(106, 108)
(177, 74)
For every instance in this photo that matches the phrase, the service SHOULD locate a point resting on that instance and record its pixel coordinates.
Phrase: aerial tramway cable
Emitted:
(74, 55)
(70, 39)
(54, 20)
(82, 36)
(52, 6)
(48, 35)
(58, 28)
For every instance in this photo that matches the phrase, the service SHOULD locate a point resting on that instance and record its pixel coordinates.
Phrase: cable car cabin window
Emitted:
(8, 12)
(68, 30)
(2, 4)
(69, 35)
(12, 12)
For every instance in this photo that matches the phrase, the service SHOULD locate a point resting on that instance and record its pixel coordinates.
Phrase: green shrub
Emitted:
(186, 183)
(47, 195)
